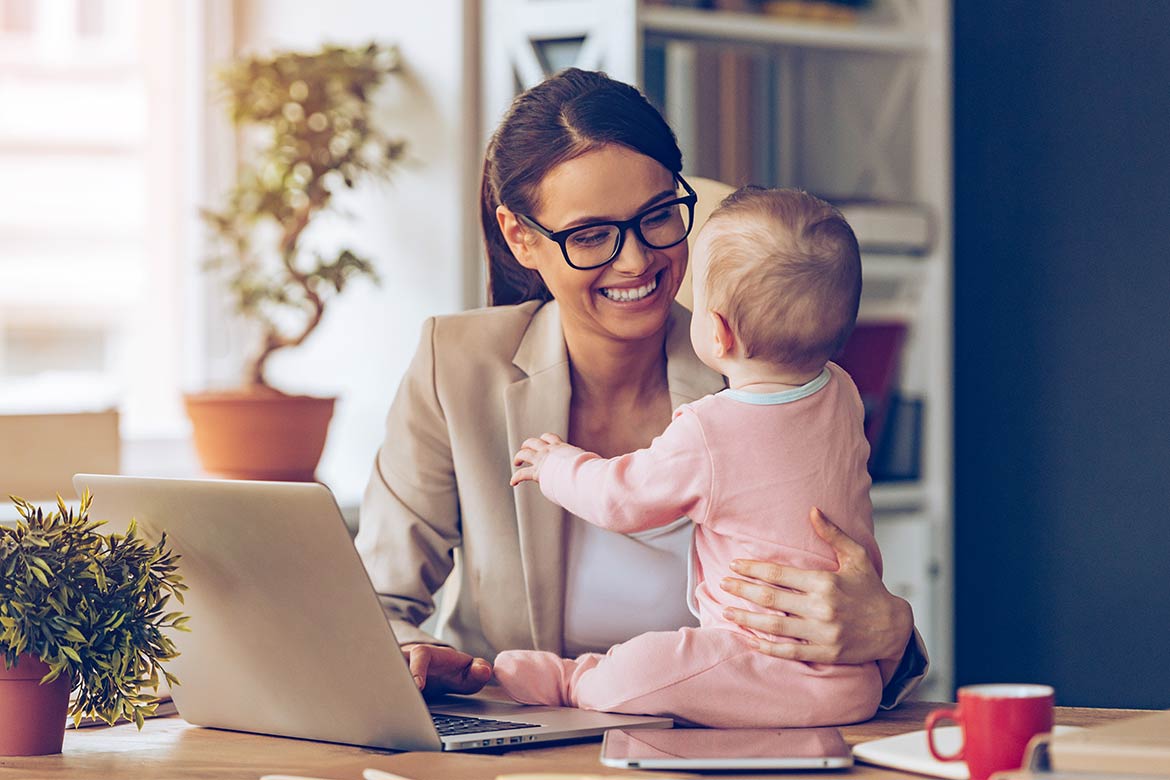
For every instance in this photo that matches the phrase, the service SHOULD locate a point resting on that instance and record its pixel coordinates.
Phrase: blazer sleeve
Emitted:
(645, 489)
(900, 676)
(409, 521)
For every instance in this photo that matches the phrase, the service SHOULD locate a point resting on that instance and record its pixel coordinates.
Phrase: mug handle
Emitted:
(932, 720)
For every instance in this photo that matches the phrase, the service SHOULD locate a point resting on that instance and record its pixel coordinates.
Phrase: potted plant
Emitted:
(310, 134)
(84, 612)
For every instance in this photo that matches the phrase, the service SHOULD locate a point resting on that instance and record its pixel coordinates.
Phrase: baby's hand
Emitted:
(531, 456)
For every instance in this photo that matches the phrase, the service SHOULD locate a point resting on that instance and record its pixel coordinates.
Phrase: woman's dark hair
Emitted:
(561, 118)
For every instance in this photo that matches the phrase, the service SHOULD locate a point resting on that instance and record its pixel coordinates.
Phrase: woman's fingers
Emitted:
(437, 670)
(782, 626)
(774, 574)
(797, 651)
(764, 595)
(772, 623)
(848, 551)
(420, 661)
(795, 638)
(472, 677)
(551, 438)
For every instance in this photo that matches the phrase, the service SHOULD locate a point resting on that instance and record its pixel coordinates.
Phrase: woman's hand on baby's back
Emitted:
(437, 669)
(530, 457)
(845, 616)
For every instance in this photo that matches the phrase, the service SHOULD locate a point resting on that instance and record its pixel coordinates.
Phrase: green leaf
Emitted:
(40, 575)
(71, 653)
(73, 635)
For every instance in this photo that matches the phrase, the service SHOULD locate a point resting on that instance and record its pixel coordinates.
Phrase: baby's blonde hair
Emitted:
(784, 270)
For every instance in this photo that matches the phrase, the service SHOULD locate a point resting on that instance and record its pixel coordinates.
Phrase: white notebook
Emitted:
(910, 753)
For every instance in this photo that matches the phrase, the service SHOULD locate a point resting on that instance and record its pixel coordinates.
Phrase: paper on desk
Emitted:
(910, 753)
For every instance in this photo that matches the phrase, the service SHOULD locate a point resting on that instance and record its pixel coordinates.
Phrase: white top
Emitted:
(619, 586)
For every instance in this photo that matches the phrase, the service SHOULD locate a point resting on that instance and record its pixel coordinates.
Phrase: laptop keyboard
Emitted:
(451, 725)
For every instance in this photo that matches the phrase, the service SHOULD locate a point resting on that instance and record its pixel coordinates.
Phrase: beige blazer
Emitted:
(439, 500)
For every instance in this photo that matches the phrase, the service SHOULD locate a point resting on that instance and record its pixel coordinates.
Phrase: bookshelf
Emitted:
(859, 110)
(716, 25)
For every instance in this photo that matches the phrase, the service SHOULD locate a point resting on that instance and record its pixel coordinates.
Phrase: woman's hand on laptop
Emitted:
(437, 669)
(845, 616)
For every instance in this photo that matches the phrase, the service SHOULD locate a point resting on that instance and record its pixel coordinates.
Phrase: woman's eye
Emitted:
(589, 238)
(656, 218)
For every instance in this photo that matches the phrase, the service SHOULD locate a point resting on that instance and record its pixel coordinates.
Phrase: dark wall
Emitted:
(1062, 347)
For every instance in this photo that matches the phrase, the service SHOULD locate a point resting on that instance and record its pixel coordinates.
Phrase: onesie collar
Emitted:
(782, 397)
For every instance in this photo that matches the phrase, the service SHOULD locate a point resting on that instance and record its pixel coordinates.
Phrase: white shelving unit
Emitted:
(855, 109)
(684, 23)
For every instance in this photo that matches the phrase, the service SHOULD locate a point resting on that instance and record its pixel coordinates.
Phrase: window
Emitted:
(97, 207)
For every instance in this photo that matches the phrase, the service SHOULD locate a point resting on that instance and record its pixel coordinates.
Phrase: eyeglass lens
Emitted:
(658, 229)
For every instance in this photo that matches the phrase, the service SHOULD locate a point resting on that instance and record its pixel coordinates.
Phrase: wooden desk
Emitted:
(171, 749)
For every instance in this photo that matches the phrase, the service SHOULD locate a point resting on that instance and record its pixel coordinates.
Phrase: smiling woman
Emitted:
(585, 215)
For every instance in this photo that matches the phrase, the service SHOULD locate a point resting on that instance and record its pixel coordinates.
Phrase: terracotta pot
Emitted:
(259, 435)
(32, 716)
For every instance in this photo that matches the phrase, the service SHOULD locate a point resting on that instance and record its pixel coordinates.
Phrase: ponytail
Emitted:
(508, 281)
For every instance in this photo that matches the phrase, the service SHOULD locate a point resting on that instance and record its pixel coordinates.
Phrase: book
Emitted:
(871, 356)
(1136, 746)
(898, 455)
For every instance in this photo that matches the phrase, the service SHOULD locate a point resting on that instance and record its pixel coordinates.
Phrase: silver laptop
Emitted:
(287, 636)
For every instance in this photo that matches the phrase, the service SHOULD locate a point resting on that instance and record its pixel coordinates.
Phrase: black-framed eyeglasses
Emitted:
(661, 226)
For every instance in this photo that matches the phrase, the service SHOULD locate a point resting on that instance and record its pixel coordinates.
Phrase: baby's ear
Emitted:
(723, 335)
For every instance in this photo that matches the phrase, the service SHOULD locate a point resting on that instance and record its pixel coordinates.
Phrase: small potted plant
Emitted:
(310, 133)
(82, 612)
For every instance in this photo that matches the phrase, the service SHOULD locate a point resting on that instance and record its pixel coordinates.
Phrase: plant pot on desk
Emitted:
(32, 716)
(259, 434)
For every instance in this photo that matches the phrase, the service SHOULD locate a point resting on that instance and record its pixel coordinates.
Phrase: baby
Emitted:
(777, 280)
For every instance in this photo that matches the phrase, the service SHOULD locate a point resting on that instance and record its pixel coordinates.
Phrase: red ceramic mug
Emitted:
(997, 722)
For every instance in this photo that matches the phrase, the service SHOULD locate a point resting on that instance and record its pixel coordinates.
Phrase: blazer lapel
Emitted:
(536, 404)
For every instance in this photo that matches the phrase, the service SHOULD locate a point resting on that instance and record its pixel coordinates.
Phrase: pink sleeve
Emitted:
(635, 492)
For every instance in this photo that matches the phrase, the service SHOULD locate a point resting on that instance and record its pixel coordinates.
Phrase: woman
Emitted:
(583, 339)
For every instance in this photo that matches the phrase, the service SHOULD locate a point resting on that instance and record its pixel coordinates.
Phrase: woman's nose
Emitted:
(633, 258)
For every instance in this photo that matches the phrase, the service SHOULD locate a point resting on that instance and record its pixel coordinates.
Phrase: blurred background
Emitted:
(1004, 165)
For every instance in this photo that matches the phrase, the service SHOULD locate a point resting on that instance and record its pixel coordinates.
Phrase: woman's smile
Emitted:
(632, 293)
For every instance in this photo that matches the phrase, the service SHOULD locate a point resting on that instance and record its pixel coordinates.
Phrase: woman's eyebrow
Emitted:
(587, 220)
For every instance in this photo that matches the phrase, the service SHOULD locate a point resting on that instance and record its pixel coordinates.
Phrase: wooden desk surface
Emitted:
(171, 749)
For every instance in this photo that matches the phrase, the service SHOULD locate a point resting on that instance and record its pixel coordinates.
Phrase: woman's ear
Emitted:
(517, 235)
(722, 335)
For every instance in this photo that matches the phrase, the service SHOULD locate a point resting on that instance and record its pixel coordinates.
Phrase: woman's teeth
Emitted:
(627, 294)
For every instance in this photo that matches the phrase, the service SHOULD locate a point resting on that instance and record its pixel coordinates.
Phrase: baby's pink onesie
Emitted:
(746, 468)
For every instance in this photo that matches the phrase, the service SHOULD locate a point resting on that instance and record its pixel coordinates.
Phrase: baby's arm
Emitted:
(645, 489)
